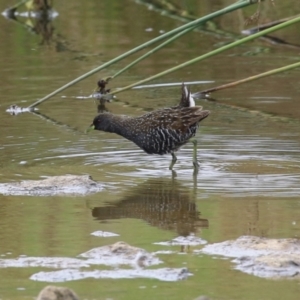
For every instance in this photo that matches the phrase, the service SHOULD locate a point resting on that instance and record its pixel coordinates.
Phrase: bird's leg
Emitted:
(173, 161)
(174, 174)
(195, 161)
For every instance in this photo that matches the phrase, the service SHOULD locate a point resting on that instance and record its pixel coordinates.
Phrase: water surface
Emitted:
(249, 177)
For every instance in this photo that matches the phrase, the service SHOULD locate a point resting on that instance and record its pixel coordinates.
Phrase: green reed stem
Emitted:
(199, 21)
(251, 78)
(175, 37)
(212, 53)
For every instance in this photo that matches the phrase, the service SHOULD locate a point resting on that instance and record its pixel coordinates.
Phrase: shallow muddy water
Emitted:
(248, 148)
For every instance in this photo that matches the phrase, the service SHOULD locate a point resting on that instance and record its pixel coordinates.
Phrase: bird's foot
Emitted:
(173, 161)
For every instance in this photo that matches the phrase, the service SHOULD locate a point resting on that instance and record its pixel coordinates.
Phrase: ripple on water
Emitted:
(232, 164)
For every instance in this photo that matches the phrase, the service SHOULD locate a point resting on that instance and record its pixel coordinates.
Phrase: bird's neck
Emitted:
(118, 126)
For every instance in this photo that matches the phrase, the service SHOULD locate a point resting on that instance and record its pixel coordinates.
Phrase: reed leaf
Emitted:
(230, 8)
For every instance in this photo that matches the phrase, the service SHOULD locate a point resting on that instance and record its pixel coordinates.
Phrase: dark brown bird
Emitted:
(161, 131)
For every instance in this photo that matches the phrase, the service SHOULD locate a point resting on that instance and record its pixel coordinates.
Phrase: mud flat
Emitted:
(76, 185)
(262, 257)
(123, 260)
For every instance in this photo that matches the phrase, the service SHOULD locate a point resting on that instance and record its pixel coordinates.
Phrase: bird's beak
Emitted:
(92, 127)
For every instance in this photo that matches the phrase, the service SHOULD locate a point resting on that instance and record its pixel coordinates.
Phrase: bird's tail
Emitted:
(186, 97)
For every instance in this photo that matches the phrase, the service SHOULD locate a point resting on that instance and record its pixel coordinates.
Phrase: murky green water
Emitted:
(249, 181)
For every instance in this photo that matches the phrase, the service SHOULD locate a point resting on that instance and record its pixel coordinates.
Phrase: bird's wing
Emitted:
(187, 117)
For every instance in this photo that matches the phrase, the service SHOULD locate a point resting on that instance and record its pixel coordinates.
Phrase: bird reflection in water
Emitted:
(161, 202)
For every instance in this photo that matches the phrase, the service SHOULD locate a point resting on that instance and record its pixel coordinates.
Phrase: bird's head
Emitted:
(100, 122)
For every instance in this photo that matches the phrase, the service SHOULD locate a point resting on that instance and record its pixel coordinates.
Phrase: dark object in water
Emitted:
(161, 131)
(102, 85)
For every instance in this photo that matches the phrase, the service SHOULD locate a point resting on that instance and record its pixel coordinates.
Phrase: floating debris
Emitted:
(163, 274)
(44, 262)
(51, 14)
(100, 96)
(115, 255)
(53, 186)
(122, 253)
(15, 109)
(165, 252)
(104, 234)
(190, 240)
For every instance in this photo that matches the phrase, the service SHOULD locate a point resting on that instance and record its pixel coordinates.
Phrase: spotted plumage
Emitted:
(158, 132)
